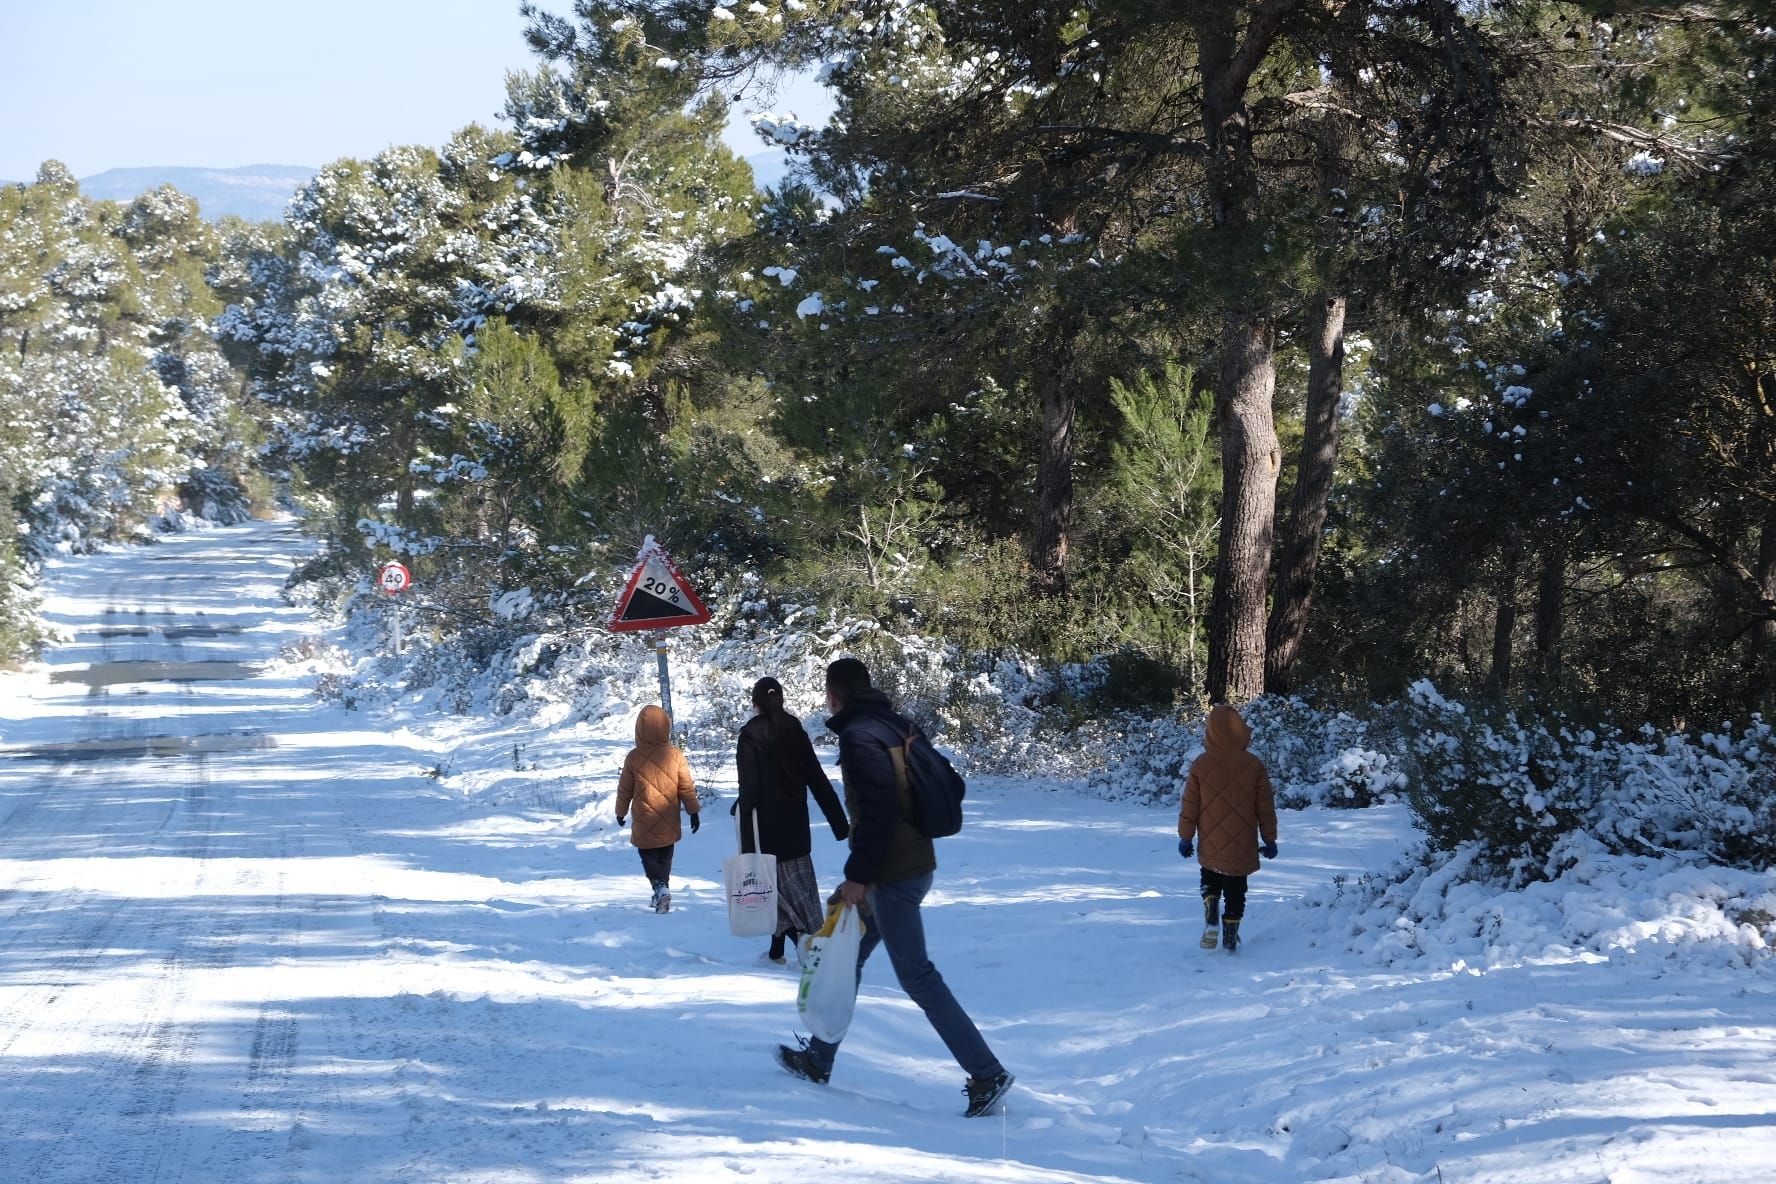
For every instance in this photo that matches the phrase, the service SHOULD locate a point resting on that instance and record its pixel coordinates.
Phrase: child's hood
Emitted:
(1227, 731)
(653, 727)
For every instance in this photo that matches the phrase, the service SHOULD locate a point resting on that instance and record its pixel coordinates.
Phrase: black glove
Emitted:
(621, 821)
(1184, 848)
(842, 832)
(696, 821)
(1269, 849)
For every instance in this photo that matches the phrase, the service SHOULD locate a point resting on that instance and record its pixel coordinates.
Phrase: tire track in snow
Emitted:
(267, 1125)
(139, 1080)
(86, 937)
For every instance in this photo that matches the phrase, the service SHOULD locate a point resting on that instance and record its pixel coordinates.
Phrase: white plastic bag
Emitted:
(828, 993)
(751, 885)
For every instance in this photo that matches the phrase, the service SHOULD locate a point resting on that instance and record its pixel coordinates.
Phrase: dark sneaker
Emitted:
(1230, 935)
(800, 1063)
(984, 1093)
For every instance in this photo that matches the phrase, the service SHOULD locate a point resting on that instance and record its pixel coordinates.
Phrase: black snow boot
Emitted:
(984, 1093)
(1211, 919)
(800, 1062)
(1230, 934)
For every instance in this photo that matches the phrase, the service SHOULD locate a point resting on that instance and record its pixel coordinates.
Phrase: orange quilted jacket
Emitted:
(1227, 798)
(656, 781)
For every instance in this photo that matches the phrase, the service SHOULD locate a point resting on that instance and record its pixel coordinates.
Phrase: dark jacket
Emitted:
(777, 791)
(885, 847)
(1228, 801)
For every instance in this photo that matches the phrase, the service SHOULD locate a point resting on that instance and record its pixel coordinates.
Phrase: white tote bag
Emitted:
(751, 885)
(828, 993)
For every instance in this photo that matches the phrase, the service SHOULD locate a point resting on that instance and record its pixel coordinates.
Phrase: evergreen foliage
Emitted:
(1022, 352)
(118, 410)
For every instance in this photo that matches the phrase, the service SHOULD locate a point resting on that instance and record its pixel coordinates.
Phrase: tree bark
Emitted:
(1763, 634)
(1504, 624)
(404, 441)
(1054, 475)
(1249, 451)
(1250, 461)
(1300, 557)
(1550, 611)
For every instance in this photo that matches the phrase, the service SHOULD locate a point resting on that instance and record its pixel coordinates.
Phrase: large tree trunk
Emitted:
(1054, 475)
(1300, 558)
(1550, 611)
(1504, 625)
(405, 438)
(1250, 461)
(1763, 634)
(1249, 452)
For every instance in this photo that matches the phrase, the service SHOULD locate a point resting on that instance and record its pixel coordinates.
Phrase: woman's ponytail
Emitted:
(780, 728)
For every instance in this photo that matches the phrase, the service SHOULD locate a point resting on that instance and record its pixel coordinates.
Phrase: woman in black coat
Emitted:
(778, 769)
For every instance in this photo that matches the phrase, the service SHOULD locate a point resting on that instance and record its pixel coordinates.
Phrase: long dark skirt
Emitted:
(798, 896)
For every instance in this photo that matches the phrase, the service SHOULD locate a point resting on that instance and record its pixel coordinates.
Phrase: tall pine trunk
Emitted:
(1504, 624)
(1250, 460)
(1054, 474)
(1550, 612)
(405, 439)
(1300, 559)
(1249, 451)
(1763, 634)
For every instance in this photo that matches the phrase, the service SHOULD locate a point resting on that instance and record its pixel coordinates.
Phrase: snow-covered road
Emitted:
(249, 936)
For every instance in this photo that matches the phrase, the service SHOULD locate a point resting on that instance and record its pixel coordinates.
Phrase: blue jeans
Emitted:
(894, 919)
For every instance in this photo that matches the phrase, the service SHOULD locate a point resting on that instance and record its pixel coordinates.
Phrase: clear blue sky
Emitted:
(101, 84)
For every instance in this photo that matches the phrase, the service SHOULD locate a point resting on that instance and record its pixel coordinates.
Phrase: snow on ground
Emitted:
(247, 936)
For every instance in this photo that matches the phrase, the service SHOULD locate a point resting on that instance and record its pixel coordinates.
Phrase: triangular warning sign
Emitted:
(656, 596)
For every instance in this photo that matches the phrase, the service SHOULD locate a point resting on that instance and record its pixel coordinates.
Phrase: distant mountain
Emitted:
(257, 192)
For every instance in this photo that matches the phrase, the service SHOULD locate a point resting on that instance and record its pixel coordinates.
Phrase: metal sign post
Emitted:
(655, 598)
(395, 579)
(660, 649)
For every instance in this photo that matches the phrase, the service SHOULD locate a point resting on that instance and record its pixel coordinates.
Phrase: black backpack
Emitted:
(934, 786)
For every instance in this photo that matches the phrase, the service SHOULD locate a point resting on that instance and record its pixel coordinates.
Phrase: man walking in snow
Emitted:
(1228, 804)
(887, 876)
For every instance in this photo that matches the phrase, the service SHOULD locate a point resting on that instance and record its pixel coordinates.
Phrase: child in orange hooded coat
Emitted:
(656, 781)
(1228, 804)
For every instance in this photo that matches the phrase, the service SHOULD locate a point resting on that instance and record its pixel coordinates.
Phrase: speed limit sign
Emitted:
(394, 579)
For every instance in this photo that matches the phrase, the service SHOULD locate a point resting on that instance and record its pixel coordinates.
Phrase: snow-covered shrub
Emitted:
(1314, 757)
(1357, 776)
(1713, 793)
(1482, 778)
(1319, 758)
(1516, 786)
(1445, 907)
(20, 629)
(1146, 759)
(215, 496)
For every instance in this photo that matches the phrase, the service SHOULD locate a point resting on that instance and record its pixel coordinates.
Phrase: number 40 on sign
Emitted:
(394, 578)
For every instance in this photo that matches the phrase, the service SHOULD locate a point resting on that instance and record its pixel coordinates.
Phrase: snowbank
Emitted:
(1442, 909)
